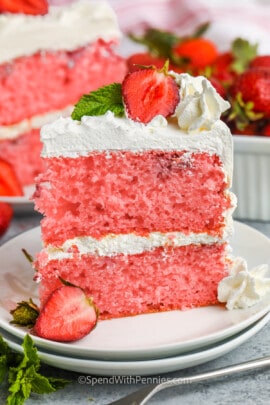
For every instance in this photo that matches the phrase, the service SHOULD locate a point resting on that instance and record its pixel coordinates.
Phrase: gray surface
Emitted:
(249, 388)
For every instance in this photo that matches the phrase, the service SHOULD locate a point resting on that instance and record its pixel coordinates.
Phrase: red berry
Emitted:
(9, 184)
(222, 68)
(261, 61)
(34, 7)
(68, 315)
(6, 214)
(138, 60)
(148, 93)
(199, 52)
(254, 85)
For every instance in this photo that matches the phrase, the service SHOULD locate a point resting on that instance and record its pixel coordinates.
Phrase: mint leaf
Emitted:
(107, 98)
(22, 371)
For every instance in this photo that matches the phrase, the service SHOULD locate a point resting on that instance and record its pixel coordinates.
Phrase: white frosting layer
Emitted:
(35, 122)
(127, 244)
(69, 138)
(64, 27)
(244, 288)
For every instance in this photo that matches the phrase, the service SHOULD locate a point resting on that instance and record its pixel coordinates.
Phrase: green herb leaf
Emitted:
(22, 371)
(107, 98)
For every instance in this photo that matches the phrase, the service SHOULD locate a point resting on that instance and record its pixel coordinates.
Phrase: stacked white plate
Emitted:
(141, 345)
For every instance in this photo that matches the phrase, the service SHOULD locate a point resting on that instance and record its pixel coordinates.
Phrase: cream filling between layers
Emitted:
(35, 122)
(127, 244)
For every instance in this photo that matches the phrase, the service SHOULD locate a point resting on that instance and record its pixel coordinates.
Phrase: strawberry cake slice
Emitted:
(54, 55)
(135, 195)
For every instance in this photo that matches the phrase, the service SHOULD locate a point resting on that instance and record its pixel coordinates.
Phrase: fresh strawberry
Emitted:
(68, 315)
(139, 60)
(222, 68)
(196, 53)
(6, 214)
(254, 87)
(150, 92)
(249, 129)
(34, 7)
(9, 184)
(261, 61)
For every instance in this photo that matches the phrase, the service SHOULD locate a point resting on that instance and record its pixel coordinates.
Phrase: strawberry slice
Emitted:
(6, 214)
(9, 184)
(33, 7)
(148, 93)
(68, 315)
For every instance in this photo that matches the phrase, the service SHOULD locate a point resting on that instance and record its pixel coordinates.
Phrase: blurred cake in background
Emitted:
(49, 57)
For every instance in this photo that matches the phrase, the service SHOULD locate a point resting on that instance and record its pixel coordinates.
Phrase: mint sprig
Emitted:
(98, 102)
(21, 371)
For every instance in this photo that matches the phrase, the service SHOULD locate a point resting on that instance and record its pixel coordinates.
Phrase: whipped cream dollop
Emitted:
(244, 288)
(65, 27)
(200, 105)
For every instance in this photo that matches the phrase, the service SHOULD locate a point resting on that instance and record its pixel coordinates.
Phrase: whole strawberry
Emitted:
(261, 61)
(6, 214)
(196, 53)
(254, 87)
(68, 315)
(33, 7)
(148, 93)
(9, 184)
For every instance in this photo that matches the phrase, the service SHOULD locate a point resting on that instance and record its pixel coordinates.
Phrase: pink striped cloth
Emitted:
(249, 19)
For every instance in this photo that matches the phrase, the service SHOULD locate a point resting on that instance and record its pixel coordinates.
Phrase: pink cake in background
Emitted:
(51, 60)
(139, 214)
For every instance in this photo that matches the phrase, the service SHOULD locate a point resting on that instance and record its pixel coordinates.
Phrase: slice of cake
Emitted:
(136, 201)
(51, 60)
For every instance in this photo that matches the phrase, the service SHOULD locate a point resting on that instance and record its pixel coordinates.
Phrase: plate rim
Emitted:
(148, 367)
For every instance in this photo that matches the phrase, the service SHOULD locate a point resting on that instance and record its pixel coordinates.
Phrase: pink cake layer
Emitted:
(129, 192)
(24, 154)
(49, 81)
(157, 280)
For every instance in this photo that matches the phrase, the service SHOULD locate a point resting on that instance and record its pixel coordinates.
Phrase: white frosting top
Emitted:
(244, 288)
(69, 138)
(64, 27)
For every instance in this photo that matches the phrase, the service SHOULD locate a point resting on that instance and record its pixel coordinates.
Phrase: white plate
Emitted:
(146, 367)
(21, 204)
(145, 336)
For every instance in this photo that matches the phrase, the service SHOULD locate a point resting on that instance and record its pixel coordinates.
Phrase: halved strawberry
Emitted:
(33, 7)
(9, 184)
(6, 214)
(68, 315)
(148, 93)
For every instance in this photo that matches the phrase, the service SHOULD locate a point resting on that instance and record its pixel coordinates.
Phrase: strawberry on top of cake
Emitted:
(54, 55)
(136, 196)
